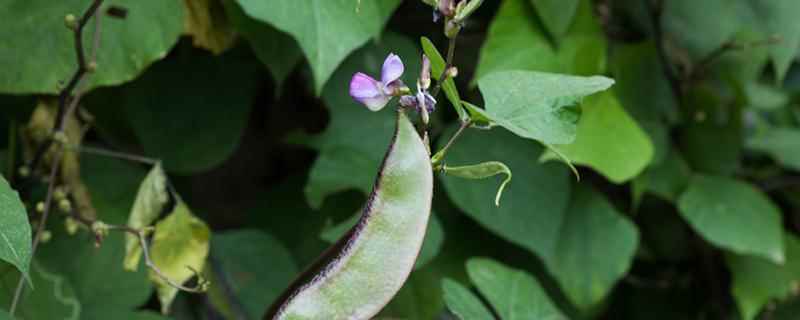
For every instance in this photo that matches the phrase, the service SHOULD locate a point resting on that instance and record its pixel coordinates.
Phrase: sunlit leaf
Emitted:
(608, 140)
(208, 26)
(179, 250)
(536, 105)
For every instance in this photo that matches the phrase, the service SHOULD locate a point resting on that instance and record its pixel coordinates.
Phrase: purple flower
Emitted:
(376, 94)
(422, 98)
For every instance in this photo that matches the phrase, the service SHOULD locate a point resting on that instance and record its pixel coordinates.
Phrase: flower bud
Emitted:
(70, 21)
(40, 207)
(451, 28)
(463, 12)
(425, 75)
(447, 7)
(45, 236)
(24, 171)
(91, 66)
(452, 72)
(71, 226)
(65, 205)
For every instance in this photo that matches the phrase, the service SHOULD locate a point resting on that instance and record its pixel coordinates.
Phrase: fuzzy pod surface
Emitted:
(361, 273)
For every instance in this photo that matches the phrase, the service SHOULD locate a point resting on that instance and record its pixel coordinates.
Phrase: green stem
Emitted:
(439, 156)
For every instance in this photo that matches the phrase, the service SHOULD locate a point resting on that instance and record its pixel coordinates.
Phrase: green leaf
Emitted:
(180, 247)
(251, 269)
(608, 140)
(482, 171)
(536, 105)
(53, 297)
(326, 30)
(434, 237)
(556, 15)
(351, 154)
(780, 143)
(150, 201)
(682, 19)
(198, 88)
(39, 51)
(733, 215)
(437, 68)
(513, 38)
(534, 202)
(757, 281)
(593, 234)
(275, 49)
(5, 316)
(711, 125)
(463, 303)
(513, 293)
(15, 231)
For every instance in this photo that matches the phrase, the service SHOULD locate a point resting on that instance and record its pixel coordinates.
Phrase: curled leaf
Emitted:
(180, 247)
(150, 200)
(482, 171)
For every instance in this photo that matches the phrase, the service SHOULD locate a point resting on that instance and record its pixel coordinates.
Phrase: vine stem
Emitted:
(113, 154)
(451, 51)
(37, 237)
(58, 127)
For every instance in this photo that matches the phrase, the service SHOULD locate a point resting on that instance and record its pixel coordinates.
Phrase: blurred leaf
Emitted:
(463, 303)
(787, 310)
(540, 106)
(608, 140)
(191, 135)
(327, 30)
(534, 203)
(515, 36)
(100, 283)
(711, 124)
(53, 297)
(437, 68)
(180, 247)
(434, 236)
(556, 14)
(275, 49)
(765, 97)
(15, 231)
(779, 19)
(251, 270)
(645, 92)
(513, 293)
(150, 201)
(757, 281)
(682, 19)
(733, 215)
(482, 170)
(593, 234)
(667, 179)
(39, 53)
(208, 26)
(353, 144)
(5, 316)
(780, 143)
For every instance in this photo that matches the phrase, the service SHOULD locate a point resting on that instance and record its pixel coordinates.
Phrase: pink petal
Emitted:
(367, 91)
(392, 69)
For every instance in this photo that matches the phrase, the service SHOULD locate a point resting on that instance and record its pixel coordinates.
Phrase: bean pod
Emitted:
(361, 273)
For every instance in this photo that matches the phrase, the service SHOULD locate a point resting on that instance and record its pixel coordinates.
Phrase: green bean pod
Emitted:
(361, 273)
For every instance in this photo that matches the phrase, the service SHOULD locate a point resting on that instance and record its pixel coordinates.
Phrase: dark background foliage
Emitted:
(686, 207)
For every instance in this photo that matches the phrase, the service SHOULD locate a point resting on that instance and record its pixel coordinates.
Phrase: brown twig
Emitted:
(65, 96)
